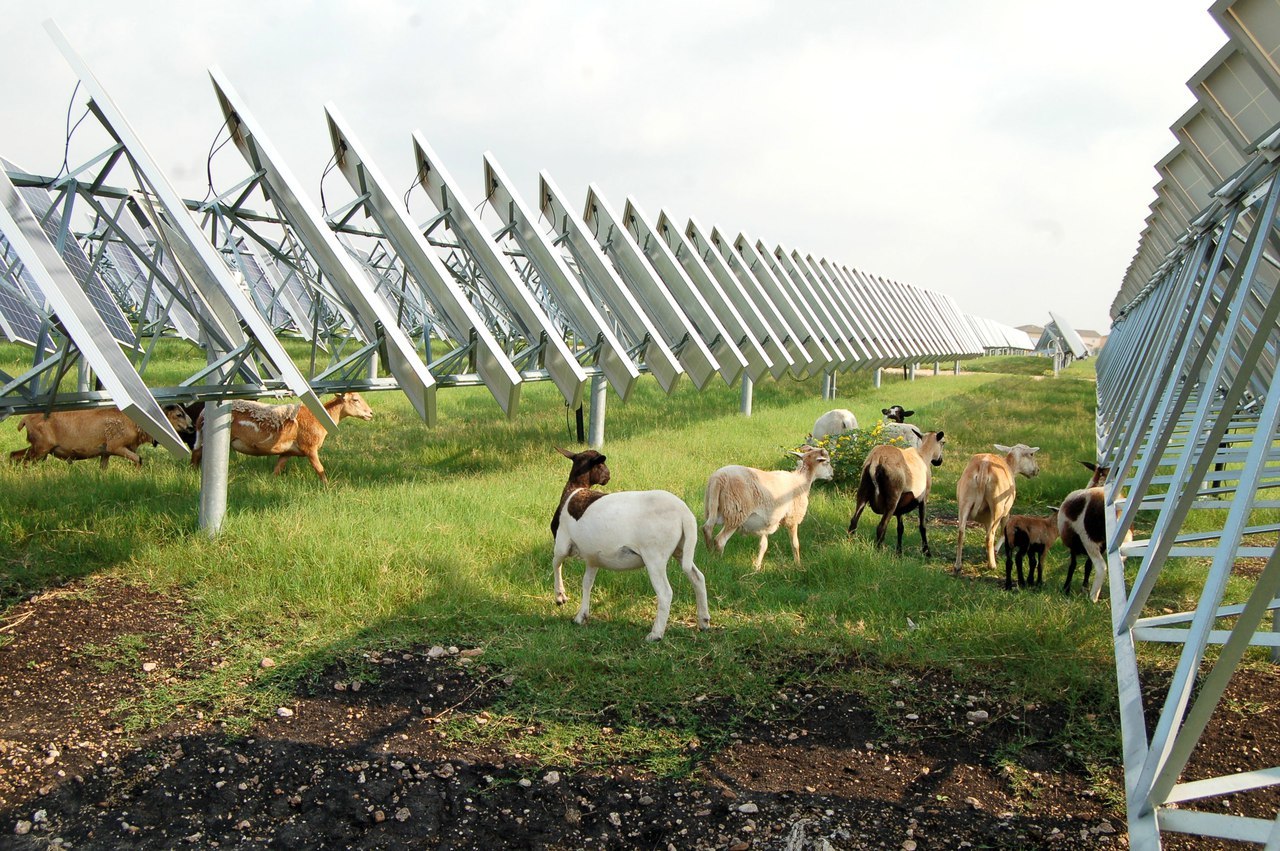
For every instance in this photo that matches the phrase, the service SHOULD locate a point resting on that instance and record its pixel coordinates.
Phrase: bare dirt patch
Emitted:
(362, 761)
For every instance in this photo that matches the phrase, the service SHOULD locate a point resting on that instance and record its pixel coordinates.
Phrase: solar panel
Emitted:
(785, 304)
(18, 319)
(41, 204)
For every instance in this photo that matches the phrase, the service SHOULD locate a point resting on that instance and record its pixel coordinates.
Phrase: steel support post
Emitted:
(216, 449)
(744, 406)
(595, 429)
(912, 374)
(937, 367)
(956, 370)
(875, 379)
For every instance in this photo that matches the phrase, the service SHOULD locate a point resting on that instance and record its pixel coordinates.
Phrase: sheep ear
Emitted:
(939, 436)
(1093, 468)
(565, 452)
(1035, 449)
(908, 413)
(884, 411)
(1002, 448)
(796, 454)
(599, 459)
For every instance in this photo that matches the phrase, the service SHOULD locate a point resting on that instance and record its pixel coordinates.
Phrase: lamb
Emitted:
(94, 433)
(1032, 536)
(896, 414)
(1082, 523)
(759, 501)
(625, 531)
(834, 422)
(986, 490)
(895, 481)
(284, 430)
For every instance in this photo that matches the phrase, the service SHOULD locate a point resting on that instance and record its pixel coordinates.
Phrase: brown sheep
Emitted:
(1032, 536)
(93, 433)
(986, 490)
(284, 430)
(895, 481)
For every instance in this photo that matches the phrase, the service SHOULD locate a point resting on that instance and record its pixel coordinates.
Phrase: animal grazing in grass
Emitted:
(284, 430)
(896, 480)
(1082, 523)
(624, 531)
(1026, 535)
(986, 490)
(896, 427)
(93, 433)
(759, 501)
(834, 422)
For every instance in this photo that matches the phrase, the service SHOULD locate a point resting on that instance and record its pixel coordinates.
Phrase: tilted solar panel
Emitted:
(19, 321)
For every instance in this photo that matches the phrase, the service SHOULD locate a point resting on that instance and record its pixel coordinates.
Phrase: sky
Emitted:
(998, 151)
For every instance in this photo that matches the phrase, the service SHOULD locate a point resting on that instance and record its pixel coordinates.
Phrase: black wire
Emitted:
(208, 160)
(66, 145)
(333, 160)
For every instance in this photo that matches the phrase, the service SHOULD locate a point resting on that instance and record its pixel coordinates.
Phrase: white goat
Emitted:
(626, 531)
(759, 501)
(1082, 523)
(834, 422)
(986, 490)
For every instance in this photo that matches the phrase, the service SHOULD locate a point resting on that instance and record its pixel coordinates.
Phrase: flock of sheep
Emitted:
(633, 529)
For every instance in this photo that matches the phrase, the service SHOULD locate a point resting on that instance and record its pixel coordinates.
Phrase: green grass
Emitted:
(1012, 365)
(441, 536)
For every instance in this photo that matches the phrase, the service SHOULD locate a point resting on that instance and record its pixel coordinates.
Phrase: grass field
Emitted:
(440, 536)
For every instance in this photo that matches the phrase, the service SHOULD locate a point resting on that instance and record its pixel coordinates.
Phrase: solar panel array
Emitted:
(1188, 407)
(20, 321)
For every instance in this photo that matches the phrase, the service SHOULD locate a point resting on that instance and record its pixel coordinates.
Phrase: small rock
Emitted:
(740, 846)
(909, 845)
(445, 771)
(435, 652)
(22, 828)
(453, 651)
(646, 801)
(551, 778)
(402, 814)
(379, 816)
(267, 662)
(40, 816)
(148, 667)
(243, 824)
(913, 717)
(977, 715)
(526, 782)
(973, 802)
(748, 808)
(284, 712)
(356, 685)
(339, 686)
(472, 653)
(615, 819)
(1106, 827)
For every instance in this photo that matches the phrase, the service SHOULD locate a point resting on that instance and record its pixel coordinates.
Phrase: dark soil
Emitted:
(362, 761)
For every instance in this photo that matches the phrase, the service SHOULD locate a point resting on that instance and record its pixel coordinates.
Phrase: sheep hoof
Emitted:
(653, 636)
(704, 625)
(561, 599)
(579, 619)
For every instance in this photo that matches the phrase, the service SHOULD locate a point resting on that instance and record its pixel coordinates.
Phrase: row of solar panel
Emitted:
(599, 293)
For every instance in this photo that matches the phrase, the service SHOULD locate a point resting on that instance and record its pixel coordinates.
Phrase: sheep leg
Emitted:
(857, 512)
(132, 457)
(882, 527)
(1035, 560)
(1099, 561)
(699, 583)
(1071, 569)
(991, 547)
(1008, 568)
(964, 517)
(924, 534)
(662, 588)
(314, 458)
(558, 577)
(795, 543)
(899, 516)
(759, 562)
(589, 579)
(279, 468)
(708, 531)
(726, 532)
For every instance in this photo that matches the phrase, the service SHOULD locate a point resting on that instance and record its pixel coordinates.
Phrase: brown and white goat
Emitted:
(759, 501)
(284, 430)
(1082, 523)
(1031, 536)
(94, 433)
(624, 531)
(985, 492)
(895, 481)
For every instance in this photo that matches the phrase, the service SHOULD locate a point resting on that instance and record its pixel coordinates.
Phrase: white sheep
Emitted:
(626, 531)
(759, 501)
(834, 422)
(896, 428)
(986, 490)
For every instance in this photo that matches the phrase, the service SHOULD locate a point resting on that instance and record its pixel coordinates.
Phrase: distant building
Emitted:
(1093, 340)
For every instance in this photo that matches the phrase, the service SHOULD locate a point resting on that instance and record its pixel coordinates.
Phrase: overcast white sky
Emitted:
(999, 152)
